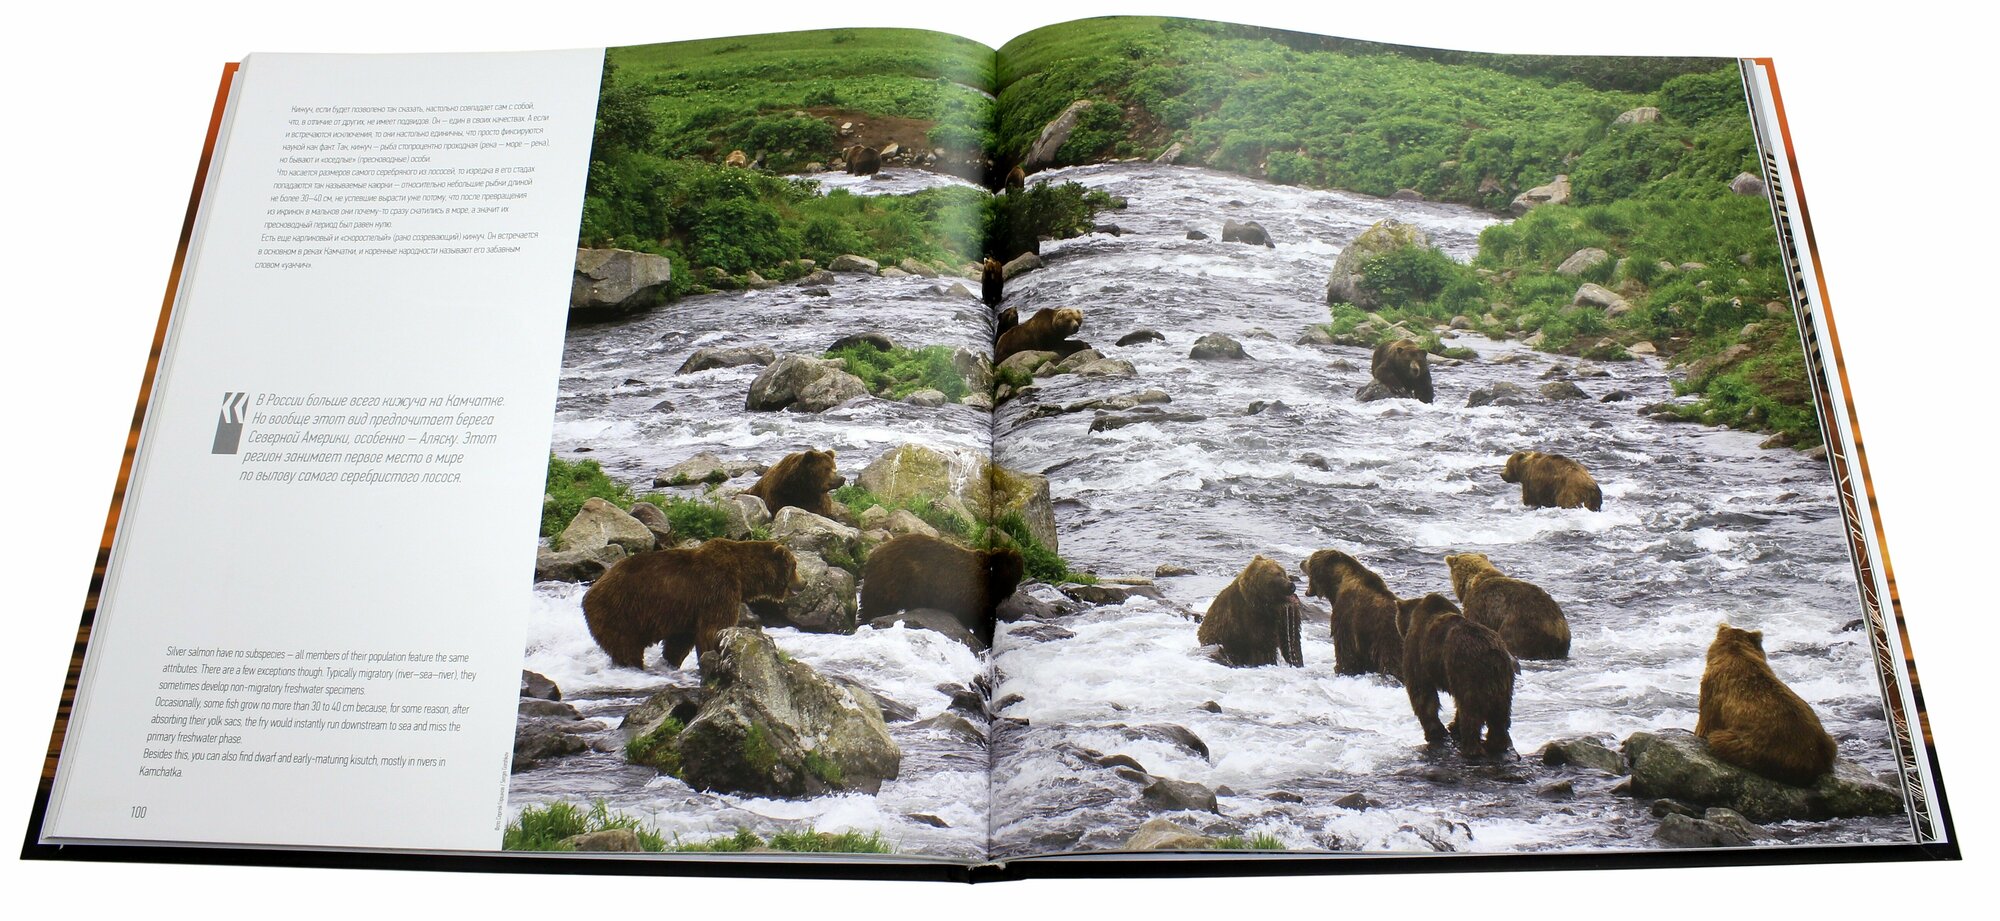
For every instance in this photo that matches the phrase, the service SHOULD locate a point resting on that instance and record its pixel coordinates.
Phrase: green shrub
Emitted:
(569, 485)
(899, 372)
(691, 519)
(546, 828)
(1016, 221)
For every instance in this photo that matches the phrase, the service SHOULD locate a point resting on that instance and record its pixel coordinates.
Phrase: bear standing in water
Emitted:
(1443, 651)
(1552, 481)
(992, 279)
(1255, 619)
(682, 598)
(1527, 619)
(918, 571)
(1750, 719)
(1365, 638)
(801, 480)
(1400, 369)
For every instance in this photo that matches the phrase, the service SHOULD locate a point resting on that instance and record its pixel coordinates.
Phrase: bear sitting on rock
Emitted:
(919, 571)
(1552, 481)
(801, 480)
(682, 598)
(1443, 651)
(1255, 619)
(1046, 331)
(1750, 719)
(1527, 619)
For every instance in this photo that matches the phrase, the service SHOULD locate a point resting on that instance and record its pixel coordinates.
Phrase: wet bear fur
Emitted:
(1552, 481)
(1444, 651)
(1045, 331)
(918, 571)
(1365, 638)
(1527, 619)
(801, 480)
(1255, 619)
(1401, 369)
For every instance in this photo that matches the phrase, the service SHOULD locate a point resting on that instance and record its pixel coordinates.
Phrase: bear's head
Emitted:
(1264, 583)
(1729, 640)
(991, 267)
(1066, 321)
(1325, 570)
(1466, 568)
(816, 469)
(1415, 614)
(765, 570)
(1517, 466)
(1004, 568)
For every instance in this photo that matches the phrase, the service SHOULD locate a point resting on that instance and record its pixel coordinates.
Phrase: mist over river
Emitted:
(1699, 525)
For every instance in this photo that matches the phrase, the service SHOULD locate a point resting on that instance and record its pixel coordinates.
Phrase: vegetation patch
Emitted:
(1017, 221)
(547, 828)
(656, 748)
(802, 841)
(572, 483)
(899, 372)
(1256, 842)
(690, 518)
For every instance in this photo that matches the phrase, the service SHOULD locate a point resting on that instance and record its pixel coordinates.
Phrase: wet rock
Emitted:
(1562, 390)
(1314, 461)
(1585, 753)
(848, 262)
(817, 292)
(1025, 605)
(708, 358)
(1274, 407)
(1504, 393)
(1169, 795)
(1736, 821)
(1615, 396)
(1210, 706)
(1107, 422)
(1196, 235)
(538, 686)
(705, 467)
(1166, 570)
(1315, 334)
(1029, 362)
(925, 818)
(1022, 264)
(1356, 801)
(818, 279)
(919, 269)
(1163, 835)
(1662, 808)
(803, 383)
(825, 602)
(1249, 232)
(954, 725)
(1217, 347)
(1683, 831)
(1557, 790)
(805, 532)
(576, 565)
(1107, 594)
(1035, 632)
(943, 622)
(1077, 359)
(1673, 763)
(958, 289)
(926, 398)
(1345, 285)
(771, 726)
(1107, 367)
(547, 729)
(1177, 736)
(611, 282)
(1140, 335)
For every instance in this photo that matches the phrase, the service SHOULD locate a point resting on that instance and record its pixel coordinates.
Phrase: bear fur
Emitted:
(1016, 179)
(1527, 619)
(1400, 369)
(801, 480)
(918, 571)
(682, 598)
(1004, 321)
(1045, 331)
(737, 159)
(1365, 638)
(1552, 481)
(862, 160)
(992, 278)
(1444, 651)
(1255, 619)
(1750, 719)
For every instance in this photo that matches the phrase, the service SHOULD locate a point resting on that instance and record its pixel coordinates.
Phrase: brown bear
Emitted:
(801, 480)
(1400, 369)
(1752, 720)
(918, 571)
(1552, 481)
(1016, 179)
(1527, 619)
(1255, 619)
(737, 159)
(1365, 638)
(1443, 651)
(862, 160)
(1045, 331)
(681, 598)
(1004, 321)
(992, 278)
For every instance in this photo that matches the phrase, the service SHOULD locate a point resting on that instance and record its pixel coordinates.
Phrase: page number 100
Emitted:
(138, 812)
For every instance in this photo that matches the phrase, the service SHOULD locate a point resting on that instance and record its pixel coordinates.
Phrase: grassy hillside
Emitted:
(1697, 263)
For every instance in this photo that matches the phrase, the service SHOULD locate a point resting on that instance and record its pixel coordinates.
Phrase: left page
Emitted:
(775, 381)
(307, 631)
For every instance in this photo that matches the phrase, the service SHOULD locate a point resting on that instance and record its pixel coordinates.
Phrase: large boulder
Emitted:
(805, 532)
(1582, 261)
(1747, 184)
(1589, 295)
(769, 725)
(967, 478)
(936, 621)
(1555, 193)
(599, 523)
(1344, 285)
(849, 262)
(804, 384)
(610, 282)
(1217, 347)
(825, 601)
(1674, 764)
(743, 514)
(576, 565)
(1054, 135)
(1026, 262)
(1164, 835)
(1643, 115)
(1249, 232)
(545, 729)
(705, 467)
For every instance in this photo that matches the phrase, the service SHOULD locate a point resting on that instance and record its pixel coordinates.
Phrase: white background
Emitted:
(105, 111)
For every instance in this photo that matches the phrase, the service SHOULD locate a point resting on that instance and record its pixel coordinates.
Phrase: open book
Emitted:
(1153, 441)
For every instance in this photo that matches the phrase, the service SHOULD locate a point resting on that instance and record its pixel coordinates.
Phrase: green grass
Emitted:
(691, 519)
(654, 749)
(572, 483)
(1257, 842)
(899, 372)
(546, 828)
(802, 841)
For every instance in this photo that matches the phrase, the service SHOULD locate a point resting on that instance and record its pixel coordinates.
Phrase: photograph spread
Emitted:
(1160, 437)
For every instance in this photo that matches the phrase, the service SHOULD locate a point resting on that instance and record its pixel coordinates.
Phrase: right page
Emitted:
(1446, 474)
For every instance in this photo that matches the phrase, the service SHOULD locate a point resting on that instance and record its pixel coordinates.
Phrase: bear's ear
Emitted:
(1757, 639)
